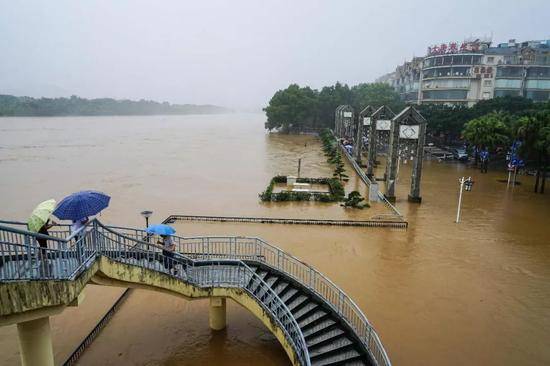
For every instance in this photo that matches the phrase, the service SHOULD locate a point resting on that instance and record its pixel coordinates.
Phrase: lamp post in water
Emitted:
(146, 214)
(465, 184)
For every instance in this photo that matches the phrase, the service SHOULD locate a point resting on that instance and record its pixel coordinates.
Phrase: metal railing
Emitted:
(255, 249)
(359, 171)
(218, 261)
(21, 258)
(380, 220)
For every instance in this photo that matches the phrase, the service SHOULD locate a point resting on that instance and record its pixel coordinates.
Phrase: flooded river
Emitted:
(438, 293)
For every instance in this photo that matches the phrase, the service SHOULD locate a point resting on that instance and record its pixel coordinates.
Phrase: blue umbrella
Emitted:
(81, 204)
(161, 229)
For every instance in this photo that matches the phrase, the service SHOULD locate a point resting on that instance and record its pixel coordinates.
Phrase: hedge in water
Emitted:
(332, 152)
(335, 187)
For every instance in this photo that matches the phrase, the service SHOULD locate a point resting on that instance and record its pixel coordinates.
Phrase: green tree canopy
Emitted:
(297, 108)
(375, 95)
(534, 131)
(292, 108)
(491, 131)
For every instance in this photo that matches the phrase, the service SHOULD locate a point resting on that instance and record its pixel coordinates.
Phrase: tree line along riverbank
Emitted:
(14, 106)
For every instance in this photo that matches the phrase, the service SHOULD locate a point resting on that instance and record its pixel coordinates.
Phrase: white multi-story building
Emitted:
(463, 75)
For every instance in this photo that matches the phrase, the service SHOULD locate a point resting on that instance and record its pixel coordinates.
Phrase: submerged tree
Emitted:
(375, 95)
(490, 131)
(534, 131)
(339, 170)
(292, 108)
(355, 200)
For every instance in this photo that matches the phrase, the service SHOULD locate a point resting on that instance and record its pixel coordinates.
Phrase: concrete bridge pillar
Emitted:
(35, 342)
(217, 313)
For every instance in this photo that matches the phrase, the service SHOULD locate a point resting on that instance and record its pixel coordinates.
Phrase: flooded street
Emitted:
(438, 293)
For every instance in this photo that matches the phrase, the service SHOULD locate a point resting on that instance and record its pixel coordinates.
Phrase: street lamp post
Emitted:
(146, 214)
(465, 184)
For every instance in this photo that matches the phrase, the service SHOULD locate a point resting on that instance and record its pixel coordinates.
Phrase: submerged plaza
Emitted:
(383, 265)
(274, 183)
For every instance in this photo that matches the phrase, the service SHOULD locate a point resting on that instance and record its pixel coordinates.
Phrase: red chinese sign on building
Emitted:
(452, 47)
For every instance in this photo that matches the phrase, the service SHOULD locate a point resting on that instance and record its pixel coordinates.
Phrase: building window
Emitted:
(487, 82)
(458, 60)
(490, 59)
(538, 95)
(534, 72)
(461, 71)
(486, 95)
(509, 71)
(508, 83)
(506, 93)
(538, 84)
(445, 94)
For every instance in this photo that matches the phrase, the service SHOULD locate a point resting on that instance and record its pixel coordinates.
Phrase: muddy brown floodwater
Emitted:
(439, 293)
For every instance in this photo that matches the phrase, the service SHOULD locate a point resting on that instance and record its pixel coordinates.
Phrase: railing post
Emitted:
(29, 251)
(94, 237)
(256, 248)
(369, 330)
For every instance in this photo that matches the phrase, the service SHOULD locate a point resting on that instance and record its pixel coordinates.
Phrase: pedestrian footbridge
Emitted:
(313, 319)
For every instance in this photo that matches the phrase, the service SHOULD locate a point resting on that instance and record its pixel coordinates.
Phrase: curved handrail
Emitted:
(103, 240)
(252, 248)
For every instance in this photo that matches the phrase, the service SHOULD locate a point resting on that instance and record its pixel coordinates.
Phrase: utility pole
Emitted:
(299, 166)
(468, 183)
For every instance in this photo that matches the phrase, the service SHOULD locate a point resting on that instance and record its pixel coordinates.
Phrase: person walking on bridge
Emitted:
(79, 231)
(39, 222)
(168, 248)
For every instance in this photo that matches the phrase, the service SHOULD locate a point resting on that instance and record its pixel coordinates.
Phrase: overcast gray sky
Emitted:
(233, 53)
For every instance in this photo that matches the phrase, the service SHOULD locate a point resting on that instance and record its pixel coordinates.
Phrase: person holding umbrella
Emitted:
(77, 207)
(39, 222)
(77, 228)
(168, 247)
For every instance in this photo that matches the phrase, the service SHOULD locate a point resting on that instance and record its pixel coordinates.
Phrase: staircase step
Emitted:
(305, 311)
(261, 273)
(282, 287)
(297, 303)
(318, 329)
(289, 294)
(311, 321)
(335, 346)
(349, 357)
(324, 337)
(272, 281)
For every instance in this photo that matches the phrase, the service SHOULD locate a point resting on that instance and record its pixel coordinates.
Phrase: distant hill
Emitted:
(75, 106)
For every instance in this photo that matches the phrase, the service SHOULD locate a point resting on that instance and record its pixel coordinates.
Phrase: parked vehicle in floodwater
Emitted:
(460, 154)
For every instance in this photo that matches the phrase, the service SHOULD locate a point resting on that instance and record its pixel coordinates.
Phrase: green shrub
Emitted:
(355, 200)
